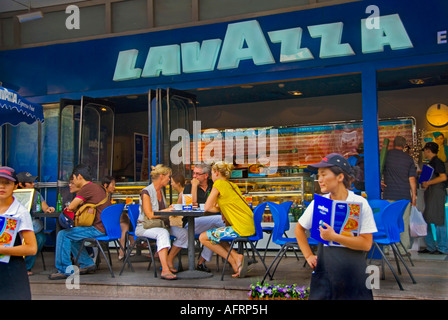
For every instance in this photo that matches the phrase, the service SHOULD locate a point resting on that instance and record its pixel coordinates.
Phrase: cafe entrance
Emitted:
(86, 136)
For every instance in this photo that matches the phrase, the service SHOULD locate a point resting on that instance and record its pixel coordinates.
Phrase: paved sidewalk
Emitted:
(430, 272)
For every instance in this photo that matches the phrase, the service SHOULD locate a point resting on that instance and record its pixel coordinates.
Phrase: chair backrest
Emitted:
(280, 217)
(287, 206)
(390, 218)
(133, 213)
(378, 206)
(258, 217)
(110, 216)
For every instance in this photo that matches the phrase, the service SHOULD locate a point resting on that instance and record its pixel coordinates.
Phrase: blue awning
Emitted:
(15, 109)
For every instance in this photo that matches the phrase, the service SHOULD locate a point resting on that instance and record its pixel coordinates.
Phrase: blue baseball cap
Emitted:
(8, 173)
(331, 160)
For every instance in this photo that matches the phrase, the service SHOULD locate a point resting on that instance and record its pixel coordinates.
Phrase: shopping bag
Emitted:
(417, 223)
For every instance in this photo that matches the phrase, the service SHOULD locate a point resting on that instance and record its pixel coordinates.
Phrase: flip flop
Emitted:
(173, 270)
(168, 276)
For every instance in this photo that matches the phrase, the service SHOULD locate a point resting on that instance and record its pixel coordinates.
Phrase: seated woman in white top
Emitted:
(152, 199)
(339, 272)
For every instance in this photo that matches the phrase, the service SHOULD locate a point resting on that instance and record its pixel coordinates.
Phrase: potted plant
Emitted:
(267, 291)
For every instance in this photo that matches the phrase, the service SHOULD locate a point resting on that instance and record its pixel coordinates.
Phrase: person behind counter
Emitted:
(152, 199)
(14, 282)
(226, 198)
(339, 272)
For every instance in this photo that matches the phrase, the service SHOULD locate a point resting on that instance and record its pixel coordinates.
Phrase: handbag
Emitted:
(85, 215)
(417, 223)
(154, 223)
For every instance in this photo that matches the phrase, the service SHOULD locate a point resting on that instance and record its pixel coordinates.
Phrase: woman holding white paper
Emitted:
(14, 283)
(339, 272)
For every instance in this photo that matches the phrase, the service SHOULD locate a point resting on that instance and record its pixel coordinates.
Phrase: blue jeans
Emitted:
(442, 240)
(30, 260)
(68, 242)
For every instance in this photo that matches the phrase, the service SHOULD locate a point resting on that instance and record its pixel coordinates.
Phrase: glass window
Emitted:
(129, 15)
(214, 9)
(49, 144)
(7, 32)
(171, 12)
(52, 26)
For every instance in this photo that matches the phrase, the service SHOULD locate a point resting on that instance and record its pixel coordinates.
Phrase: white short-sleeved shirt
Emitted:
(18, 211)
(366, 216)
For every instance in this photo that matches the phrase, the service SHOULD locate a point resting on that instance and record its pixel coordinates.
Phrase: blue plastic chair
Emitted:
(133, 213)
(110, 217)
(388, 222)
(280, 224)
(286, 206)
(377, 205)
(258, 216)
(268, 230)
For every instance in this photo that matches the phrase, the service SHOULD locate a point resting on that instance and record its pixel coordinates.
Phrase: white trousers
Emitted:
(202, 224)
(162, 236)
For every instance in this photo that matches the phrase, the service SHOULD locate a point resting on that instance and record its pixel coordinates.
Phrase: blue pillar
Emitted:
(152, 139)
(371, 135)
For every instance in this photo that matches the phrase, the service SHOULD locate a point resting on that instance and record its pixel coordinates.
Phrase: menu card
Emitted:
(426, 174)
(342, 216)
(8, 232)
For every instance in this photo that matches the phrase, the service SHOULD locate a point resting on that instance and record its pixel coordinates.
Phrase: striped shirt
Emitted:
(398, 168)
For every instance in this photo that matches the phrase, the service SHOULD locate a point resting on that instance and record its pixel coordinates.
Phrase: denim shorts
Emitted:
(215, 235)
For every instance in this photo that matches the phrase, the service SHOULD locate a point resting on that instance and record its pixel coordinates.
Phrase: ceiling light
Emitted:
(295, 93)
(30, 16)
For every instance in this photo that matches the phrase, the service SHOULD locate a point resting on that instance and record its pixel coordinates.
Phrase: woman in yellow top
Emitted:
(226, 198)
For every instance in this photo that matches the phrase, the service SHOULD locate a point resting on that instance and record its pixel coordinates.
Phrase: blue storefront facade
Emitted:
(361, 38)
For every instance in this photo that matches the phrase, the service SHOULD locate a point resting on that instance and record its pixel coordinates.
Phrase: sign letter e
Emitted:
(73, 21)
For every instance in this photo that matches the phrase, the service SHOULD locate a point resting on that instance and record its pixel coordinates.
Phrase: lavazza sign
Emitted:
(246, 41)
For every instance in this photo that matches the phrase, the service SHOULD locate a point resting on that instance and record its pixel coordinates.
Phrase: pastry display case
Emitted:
(129, 192)
(298, 188)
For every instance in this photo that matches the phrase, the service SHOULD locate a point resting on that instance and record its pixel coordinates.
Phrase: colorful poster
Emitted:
(8, 232)
(298, 145)
(342, 216)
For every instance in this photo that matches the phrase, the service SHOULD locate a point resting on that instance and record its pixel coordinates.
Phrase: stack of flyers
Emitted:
(8, 232)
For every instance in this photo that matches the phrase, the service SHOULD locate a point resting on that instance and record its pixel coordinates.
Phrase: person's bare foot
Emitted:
(238, 267)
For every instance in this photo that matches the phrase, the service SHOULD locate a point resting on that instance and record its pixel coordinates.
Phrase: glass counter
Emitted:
(298, 189)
